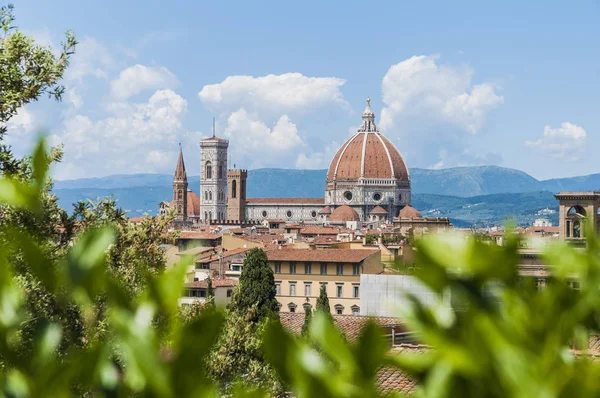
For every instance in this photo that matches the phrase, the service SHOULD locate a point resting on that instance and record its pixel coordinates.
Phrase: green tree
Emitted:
(307, 319)
(323, 302)
(256, 288)
(27, 71)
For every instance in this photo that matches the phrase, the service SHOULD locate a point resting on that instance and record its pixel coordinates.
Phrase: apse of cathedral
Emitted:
(367, 181)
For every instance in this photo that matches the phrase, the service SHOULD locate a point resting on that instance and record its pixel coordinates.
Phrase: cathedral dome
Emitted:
(368, 154)
(409, 212)
(344, 213)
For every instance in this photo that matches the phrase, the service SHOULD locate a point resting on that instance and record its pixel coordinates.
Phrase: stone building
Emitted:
(368, 172)
(576, 208)
(299, 274)
(367, 181)
(213, 178)
(185, 202)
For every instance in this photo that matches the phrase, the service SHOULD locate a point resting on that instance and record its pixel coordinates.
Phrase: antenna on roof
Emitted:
(213, 126)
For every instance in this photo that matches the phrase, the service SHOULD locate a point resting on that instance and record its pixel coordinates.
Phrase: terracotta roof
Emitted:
(215, 283)
(390, 380)
(367, 154)
(193, 203)
(321, 255)
(292, 226)
(198, 235)
(325, 210)
(134, 220)
(292, 201)
(409, 212)
(226, 253)
(349, 325)
(265, 238)
(378, 210)
(317, 230)
(324, 240)
(344, 213)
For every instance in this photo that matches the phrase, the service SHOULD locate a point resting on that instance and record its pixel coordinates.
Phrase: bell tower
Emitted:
(213, 178)
(236, 195)
(180, 187)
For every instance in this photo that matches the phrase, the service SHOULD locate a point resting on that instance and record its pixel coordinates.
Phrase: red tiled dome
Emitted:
(378, 210)
(193, 204)
(325, 210)
(367, 154)
(409, 212)
(344, 213)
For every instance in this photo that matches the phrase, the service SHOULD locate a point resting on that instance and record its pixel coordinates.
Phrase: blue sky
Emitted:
(452, 83)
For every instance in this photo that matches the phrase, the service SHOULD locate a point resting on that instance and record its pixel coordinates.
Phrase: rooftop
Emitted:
(321, 255)
(215, 283)
(308, 201)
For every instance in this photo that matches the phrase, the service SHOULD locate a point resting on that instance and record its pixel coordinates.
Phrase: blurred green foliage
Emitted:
(87, 307)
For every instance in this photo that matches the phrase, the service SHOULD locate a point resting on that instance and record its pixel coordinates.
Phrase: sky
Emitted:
(513, 84)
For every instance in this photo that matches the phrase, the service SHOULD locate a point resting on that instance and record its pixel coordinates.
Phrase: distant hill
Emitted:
(457, 181)
(488, 194)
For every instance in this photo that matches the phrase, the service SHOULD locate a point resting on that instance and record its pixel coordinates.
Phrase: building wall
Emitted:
(347, 281)
(236, 194)
(230, 242)
(297, 212)
(364, 195)
(213, 190)
(222, 297)
(383, 295)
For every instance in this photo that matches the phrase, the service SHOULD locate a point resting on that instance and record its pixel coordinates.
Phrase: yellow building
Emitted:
(299, 274)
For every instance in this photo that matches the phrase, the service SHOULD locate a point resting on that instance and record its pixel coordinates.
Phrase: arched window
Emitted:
(180, 194)
(264, 213)
(209, 195)
(355, 310)
(205, 195)
(306, 306)
(210, 215)
(180, 210)
(220, 171)
(292, 307)
(576, 211)
(206, 215)
(208, 170)
(339, 309)
(234, 189)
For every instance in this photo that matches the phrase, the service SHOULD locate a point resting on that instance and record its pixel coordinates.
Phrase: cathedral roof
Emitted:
(409, 212)
(193, 204)
(344, 213)
(368, 154)
(378, 210)
(325, 210)
(180, 174)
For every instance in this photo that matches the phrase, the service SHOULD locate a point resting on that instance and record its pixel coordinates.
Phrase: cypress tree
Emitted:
(307, 318)
(210, 295)
(323, 302)
(256, 288)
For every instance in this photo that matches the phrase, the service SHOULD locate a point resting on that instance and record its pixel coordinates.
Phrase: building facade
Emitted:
(299, 274)
(213, 179)
(368, 174)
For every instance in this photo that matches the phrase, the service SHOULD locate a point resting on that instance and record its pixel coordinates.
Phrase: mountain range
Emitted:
(485, 195)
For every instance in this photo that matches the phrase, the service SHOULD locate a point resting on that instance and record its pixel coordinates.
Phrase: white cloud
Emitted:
(279, 93)
(565, 142)
(253, 141)
(137, 78)
(135, 139)
(420, 86)
(440, 105)
(318, 159)
(73, 98)
(91, 58)
(23, 121)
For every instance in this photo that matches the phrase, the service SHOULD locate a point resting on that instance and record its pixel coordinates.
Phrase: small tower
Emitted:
(180, 187)
(213, 178)
(236, 196)
(575, 210)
